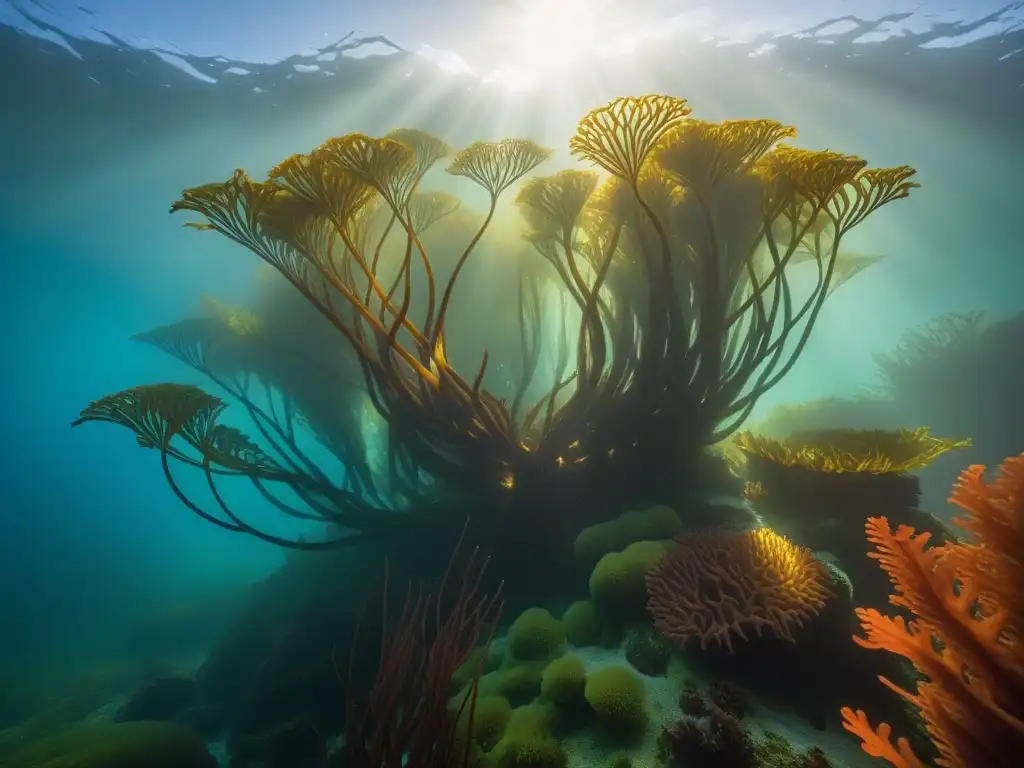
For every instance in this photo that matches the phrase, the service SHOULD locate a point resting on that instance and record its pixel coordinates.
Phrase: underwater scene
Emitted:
(512, 384)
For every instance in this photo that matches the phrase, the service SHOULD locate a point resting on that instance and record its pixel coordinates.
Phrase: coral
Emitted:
(535, 635)
(650, 524)
(563, 681)
(647, 652)
(967, 599)
(617, 585)
(714, 584)
(528, 741)
(617, 696)
(851, 450)
(582, 625)
(115, 745)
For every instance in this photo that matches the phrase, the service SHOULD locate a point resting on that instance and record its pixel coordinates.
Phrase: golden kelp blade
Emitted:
(850, 450)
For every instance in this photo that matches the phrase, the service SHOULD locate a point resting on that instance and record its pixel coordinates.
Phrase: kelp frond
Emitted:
(156, 413)
(551, 205)
(497, 165)
(426, 148)
(620, 136)
(428, 208)
(871, 451)
(698, 154)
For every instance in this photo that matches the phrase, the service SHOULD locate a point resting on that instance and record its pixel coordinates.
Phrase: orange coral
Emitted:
(714, 584)
(966, 638)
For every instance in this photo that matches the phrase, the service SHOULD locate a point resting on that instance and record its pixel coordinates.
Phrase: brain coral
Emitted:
(714, 584)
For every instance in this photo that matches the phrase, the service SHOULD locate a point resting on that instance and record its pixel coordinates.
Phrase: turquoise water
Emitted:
(100, 133)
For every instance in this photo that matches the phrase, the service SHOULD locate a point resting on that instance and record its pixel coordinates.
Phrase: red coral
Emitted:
(966, 636)
(714, 584)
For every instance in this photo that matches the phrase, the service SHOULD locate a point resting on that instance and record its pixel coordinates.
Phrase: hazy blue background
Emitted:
(92, 543)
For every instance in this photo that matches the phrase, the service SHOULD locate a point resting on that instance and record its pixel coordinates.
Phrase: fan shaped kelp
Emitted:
(873, 451)
(678, 266)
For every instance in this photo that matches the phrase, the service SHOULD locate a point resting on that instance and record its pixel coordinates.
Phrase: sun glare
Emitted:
(545, 37)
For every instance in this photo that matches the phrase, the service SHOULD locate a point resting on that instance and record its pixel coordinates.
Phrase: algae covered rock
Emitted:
(520, 684)
(484, 659)
(535, 635)
(650, 524)
(583, 627)
(490, 718)
(529, 741)
(138, 744)
(563, 681)
(647, 651)
(618, 697)
(617, 585)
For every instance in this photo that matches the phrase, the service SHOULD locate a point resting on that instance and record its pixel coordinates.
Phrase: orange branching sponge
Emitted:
(967, 637)
(714, 584)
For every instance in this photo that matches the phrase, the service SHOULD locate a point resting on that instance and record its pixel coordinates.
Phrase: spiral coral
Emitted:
(966, 635)
(713, 585)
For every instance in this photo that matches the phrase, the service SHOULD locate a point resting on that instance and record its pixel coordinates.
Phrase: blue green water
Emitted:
(105, 116)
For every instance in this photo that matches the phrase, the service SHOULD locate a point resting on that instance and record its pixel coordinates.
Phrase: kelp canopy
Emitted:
(677, 263)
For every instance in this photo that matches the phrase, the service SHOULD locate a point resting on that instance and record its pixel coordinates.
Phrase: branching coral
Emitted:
(680, 265)
(876, 452)
(713, 585)
(966, 635)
